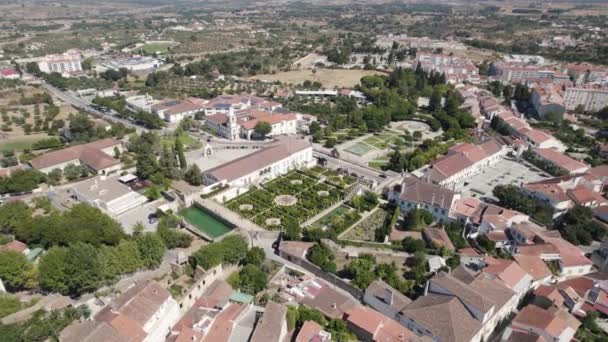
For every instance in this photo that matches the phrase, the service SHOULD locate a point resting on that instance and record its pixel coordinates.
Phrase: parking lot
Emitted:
(504, 172)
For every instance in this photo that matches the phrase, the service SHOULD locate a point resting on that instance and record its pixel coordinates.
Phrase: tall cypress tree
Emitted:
(181, 157)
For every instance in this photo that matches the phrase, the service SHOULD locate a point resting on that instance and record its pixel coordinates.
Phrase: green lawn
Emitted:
(187, 140)
(327, 219)
(155, 47)
(20, 143)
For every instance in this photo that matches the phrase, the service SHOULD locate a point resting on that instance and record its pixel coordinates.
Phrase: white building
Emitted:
(135, 63)
(285, 155)
(65, 63)
(140, 103)
(174, 111)
(242, 124)
(414, 193)
(592, 99)
(107, 194)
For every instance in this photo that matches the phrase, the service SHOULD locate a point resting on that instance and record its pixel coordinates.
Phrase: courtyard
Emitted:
(506, 171)
(296, 197)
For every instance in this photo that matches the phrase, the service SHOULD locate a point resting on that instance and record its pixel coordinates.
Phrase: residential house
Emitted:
(414, 193)
(145, 312)
(272, 327)
(311, 331)
(385, 299)
(543, 323)
(459, 307)
(370, 325)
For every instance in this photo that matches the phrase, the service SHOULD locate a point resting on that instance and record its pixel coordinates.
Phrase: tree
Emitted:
(83, 269)
(255, 256)
(361, 271)
(193, 175)
(13, 215)
(82, 128)
(129, 256)
(435, 100)
(14, 270)
(146, 165)
(412, 245)
(322, 257)
(578, 226)
(151, 248)
(262, 128)
(179, 151)
(153, 192)
(51, 270)
(54, 177)
(72, 172)
(170, 236)
(252, 279)
(230, 250)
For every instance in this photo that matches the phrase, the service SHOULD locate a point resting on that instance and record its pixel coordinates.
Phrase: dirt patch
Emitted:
(329, 78)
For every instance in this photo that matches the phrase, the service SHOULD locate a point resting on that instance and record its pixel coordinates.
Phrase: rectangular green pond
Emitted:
(205, 222)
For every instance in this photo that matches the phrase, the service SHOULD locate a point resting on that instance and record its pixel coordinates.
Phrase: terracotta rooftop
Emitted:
(445, 316)
(268, 328)
(379, 289)
(132, 310)
(416, 190)
(508, 271)
(258, 160)
(461, 157)
(544, 320)
(379, 326)
(217, 294)
(533, 265)
(311, 332)
(91, 331)
(89, 154)
(438, 237)
(563, 161)
(15, 246)
(297, 249)
(224, 322)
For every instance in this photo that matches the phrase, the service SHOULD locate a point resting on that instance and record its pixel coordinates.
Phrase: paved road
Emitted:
(80, 104)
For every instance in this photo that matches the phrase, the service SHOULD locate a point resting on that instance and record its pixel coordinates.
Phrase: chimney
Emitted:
(333, 305)
(388, 296)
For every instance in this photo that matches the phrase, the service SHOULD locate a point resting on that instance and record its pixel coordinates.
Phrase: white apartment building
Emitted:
(592, 99)
(108, 194)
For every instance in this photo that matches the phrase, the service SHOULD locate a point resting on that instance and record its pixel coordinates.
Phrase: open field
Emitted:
(161, 47)
(329, 78)
(20, 143)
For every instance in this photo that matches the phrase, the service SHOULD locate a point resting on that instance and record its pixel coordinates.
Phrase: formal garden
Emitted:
(298, 195)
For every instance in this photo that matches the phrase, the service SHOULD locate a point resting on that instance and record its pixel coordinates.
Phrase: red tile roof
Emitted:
(563, 161)
(544, 320)
(89, 153)
(16, 246)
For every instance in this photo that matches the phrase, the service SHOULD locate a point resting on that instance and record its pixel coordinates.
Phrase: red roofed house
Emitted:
(9, 74)
(370, 325)
(144, 312)
(311, 331)
(532, 319)
(97, 156)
